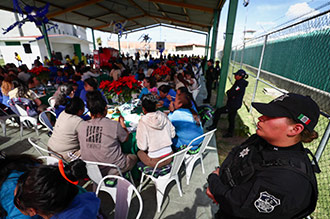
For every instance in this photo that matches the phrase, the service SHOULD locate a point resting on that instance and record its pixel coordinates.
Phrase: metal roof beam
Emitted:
(179, 21)
(141, 9)
(128, 19)
(183, 5)
(72, 8)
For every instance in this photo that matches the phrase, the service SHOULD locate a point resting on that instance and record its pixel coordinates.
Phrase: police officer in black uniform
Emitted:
(234, 101)
(217, 71)
(209, 80)
(270, 175)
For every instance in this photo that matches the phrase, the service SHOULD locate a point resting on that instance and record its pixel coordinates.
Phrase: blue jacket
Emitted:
(7, 197)
(185, 128)
(143, 92)
(84, 206)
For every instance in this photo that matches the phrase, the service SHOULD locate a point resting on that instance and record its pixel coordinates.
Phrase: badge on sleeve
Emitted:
(266, 202)
(244, 152)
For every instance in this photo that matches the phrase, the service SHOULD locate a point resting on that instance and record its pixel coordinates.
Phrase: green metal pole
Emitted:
(94, 45)
(118, 44)
(216, 18)
(44, 33)
(226, 52)
(207, 43)
(207, 48)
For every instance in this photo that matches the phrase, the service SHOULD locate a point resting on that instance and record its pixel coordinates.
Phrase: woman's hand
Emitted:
(171, 107)
(121, 120)
(210, 195)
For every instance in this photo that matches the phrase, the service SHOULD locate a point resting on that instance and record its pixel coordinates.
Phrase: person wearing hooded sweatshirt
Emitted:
(154, 134)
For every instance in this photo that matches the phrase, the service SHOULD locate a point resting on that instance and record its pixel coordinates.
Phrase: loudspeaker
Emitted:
(27, 48)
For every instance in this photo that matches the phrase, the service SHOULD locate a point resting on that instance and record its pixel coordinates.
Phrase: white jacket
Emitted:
(154, 132)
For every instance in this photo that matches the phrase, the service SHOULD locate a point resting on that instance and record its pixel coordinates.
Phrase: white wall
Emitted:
(28, 59)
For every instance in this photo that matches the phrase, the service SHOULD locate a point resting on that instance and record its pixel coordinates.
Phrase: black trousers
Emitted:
(231, 117)
(209, 84)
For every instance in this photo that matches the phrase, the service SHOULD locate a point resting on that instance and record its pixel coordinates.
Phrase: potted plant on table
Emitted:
(122, 89)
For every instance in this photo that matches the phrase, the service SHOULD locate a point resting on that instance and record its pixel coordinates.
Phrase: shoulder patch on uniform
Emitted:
(244, 152)
(237, 88)
(266, 202)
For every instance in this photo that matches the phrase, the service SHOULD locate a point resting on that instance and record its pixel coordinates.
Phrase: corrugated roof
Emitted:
(100, 14)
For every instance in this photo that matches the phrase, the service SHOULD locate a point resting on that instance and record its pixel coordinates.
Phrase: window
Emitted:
(13, 43)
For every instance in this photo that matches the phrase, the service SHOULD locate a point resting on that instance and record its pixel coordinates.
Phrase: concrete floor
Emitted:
(193, 204)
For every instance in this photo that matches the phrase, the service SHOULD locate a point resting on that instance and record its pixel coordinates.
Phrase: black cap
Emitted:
(240, 72)
(211, 60)
(301, 109)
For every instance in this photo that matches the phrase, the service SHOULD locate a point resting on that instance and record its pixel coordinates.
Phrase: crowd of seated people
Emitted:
(97, 138)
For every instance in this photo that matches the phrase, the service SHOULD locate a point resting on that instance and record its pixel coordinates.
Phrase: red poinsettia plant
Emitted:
(123, 88)
(164, 70)
(170, 63)
(42, 73)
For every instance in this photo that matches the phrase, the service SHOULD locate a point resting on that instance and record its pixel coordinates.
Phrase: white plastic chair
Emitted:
(49, 160)
(3, 119)
(190, 159)
(51, 102)
(43, 151)
(95, 175)
(161, 182)
(43, 118)
(24, 117)
(196, 92)
(123, 196)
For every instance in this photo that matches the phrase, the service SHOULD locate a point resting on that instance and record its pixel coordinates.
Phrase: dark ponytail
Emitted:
(46, 190)
(10, 163)
(186, 104)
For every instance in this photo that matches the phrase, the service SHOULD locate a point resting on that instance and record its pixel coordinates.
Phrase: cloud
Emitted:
(300, 9)
(269, 7)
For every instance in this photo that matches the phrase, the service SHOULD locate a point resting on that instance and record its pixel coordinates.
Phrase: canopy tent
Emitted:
(102, 14)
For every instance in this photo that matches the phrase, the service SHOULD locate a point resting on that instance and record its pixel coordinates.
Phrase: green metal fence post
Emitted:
(94, 45)
(226, 52)
(45, 34)
(216, 18)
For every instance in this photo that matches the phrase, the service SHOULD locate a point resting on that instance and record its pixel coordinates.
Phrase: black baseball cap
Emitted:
(211, 60)
(240, 72)
(301, 109)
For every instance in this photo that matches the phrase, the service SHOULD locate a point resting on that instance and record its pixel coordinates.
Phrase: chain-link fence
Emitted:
(293, 59)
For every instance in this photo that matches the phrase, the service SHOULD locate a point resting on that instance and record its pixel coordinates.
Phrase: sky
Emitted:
(259, 15)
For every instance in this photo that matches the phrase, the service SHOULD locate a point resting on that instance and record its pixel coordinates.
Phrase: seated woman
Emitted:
(90, 84)
(186, 122)
(190, 78)
(166, 95)
(12, 167)
(22, 91)
(6, 86)
(64, 139)
(154, 134)
(100, 137)
(148, 83)
(52, 192)
(63, 94)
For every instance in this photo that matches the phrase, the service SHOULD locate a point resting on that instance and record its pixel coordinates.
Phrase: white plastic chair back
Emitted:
(196, 92)
(43, 118)
(51, 101)
(41, 150)
(49, 160)
(161, 182)
(123, 196)
(95, 175)
(191, 159)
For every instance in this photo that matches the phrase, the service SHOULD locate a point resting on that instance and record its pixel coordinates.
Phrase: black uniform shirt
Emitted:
(244, 189)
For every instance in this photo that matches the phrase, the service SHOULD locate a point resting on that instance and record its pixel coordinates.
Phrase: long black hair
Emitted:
(44, 189)
(8, 164)
(64, 91)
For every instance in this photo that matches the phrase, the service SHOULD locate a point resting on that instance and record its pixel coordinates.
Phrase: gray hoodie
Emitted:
(154, 132)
